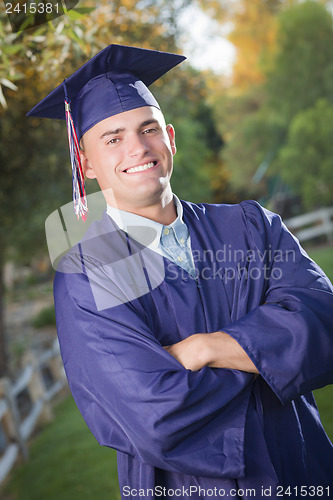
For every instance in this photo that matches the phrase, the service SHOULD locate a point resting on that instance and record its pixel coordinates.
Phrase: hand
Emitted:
(217, 350)
(191, 352)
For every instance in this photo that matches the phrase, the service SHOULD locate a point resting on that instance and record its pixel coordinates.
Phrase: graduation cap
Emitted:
(113, 81)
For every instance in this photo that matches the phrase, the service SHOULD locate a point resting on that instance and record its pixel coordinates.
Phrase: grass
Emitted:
(324, 397)
(66, 461)
(324, 258)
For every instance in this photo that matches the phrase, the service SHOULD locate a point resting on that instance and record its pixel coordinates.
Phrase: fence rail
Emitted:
(312, 225)
(26, 403)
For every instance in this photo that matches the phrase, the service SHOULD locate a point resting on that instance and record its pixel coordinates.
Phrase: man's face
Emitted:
(132, 154)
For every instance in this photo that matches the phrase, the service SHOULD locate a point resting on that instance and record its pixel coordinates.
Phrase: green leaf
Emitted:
(70, 33)
(74, 15)
(84, 10)
(41, 31)
(77, 14)
(14, 49)
(29, 21)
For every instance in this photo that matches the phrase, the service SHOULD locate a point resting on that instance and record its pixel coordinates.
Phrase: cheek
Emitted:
(106, 162)
(163, 145)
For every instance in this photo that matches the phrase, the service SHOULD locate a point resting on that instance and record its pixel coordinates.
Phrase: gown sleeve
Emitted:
(290, 337)
(135, 397)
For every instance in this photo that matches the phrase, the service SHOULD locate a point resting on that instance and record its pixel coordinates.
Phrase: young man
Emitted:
(192, 335)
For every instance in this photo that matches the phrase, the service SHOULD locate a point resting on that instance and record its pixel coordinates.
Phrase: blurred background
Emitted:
(253, 112)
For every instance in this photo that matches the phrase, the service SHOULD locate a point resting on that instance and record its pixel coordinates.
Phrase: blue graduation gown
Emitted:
(118, 303)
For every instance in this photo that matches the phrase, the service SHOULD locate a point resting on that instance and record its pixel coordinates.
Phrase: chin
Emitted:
(148, 190)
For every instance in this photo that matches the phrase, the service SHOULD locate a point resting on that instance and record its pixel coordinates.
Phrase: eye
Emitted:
(149, 130)
(114, 140)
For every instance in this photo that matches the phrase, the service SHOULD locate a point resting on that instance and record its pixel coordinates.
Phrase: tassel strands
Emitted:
(79, 193)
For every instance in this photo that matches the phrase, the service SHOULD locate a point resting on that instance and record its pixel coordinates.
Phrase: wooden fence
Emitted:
(312, 225)
(26, 403)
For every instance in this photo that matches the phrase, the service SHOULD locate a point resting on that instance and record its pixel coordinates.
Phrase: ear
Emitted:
(86, 166)
(171, 134)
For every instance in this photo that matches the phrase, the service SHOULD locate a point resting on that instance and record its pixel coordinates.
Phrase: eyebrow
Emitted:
(112, 132)
(119, 130)
(149, 122)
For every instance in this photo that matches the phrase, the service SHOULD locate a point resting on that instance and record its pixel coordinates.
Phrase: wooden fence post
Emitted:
(12, 418)
(37, 388)
(18, 428)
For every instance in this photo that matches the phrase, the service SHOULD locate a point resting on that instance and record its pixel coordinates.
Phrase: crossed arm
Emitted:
(216, 350)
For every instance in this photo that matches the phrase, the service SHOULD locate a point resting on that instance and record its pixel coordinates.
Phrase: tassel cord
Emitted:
(79, 194)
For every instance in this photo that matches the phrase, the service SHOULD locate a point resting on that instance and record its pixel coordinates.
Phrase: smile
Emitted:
(141, 168)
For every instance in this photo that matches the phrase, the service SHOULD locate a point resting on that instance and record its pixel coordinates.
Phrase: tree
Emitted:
(302, 77)
(39, 51)
(27, 187)
(237, 99)
(34, 158)
(184, 103)
(254, 36)
(306, 159)
(258, 120)
(303, 66)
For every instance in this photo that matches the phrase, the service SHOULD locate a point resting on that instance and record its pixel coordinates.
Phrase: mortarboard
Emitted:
(113, 81)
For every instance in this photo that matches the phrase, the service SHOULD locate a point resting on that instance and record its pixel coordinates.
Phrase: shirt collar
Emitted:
(146, 231)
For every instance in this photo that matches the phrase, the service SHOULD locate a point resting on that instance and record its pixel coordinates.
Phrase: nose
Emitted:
(137, 145)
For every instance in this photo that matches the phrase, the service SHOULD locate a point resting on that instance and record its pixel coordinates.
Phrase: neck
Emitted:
(163, 211)
(163, 214)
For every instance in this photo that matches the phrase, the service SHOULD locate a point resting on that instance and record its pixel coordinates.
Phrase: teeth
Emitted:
(141, 168)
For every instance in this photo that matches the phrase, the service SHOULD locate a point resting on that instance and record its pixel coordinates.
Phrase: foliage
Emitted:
(36, 149)
(31, 185)
(39, 51)
(306, 159)
(183, 101)
(247, 129)
(147, 23)
(300, 89)
(303, 66)
(254, 36)
(263, 141)
(46, 317)
(36, 177)
(238, 103)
